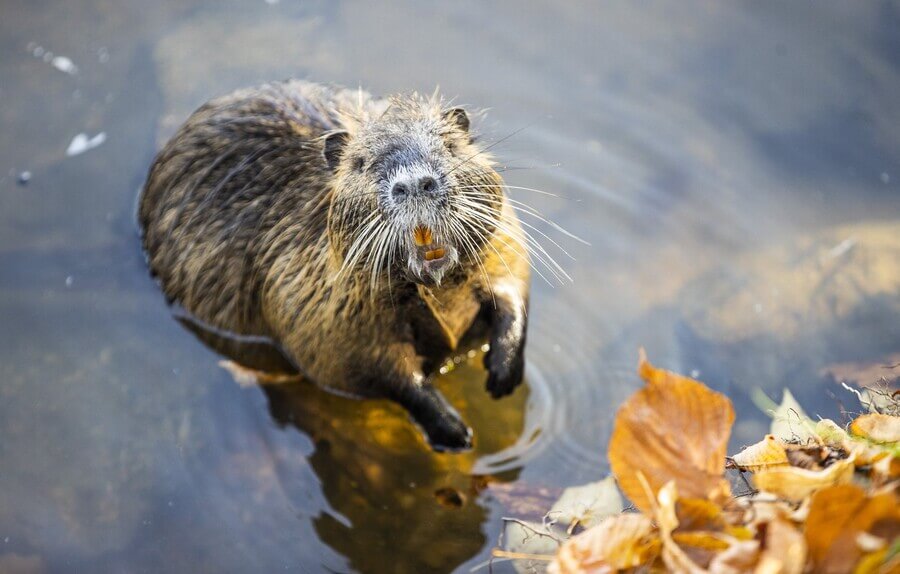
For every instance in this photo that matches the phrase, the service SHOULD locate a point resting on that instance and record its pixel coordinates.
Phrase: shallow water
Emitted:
(735, 169)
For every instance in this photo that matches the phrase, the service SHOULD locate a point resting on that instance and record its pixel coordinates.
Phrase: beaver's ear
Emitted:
(333, 148)
(458, 117)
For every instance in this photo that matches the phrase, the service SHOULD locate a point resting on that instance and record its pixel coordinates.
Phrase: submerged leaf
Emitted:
(619, 542)
(789, 421)
(795, 483)
(587, 505)
(767, 453)
(529, 538)
(674, 429)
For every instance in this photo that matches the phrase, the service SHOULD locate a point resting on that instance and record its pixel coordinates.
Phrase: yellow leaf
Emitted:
(874, 563)
(795, 483)
(838, 515)
(674, 429)
(689, 551)
(767, 453)
(739, 532)
(700, 539)
(877, 428)
(699, 514)
(619, 542)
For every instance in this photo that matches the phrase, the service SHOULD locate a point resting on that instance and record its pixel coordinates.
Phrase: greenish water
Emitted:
(735, 168)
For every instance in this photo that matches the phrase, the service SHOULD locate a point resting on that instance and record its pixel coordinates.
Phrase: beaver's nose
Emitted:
(425, 185)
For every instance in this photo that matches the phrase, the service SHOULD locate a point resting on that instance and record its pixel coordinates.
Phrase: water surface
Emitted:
(735, 169)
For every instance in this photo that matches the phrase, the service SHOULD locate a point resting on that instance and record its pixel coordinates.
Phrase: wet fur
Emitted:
(247, 227)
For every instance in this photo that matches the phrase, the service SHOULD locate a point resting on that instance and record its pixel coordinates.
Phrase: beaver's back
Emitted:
(240, 181)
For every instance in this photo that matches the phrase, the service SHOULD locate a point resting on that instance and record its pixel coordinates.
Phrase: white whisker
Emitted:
(528, 241)
(476, 219)
(547, 237)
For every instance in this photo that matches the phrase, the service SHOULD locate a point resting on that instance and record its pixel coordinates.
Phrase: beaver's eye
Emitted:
(358, 164)
(451, 146)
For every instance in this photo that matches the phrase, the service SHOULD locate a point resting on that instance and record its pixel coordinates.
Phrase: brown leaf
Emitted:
(711, 541)
(838, 515)
(795, 483)
(675, 428)
(767, 453)
(619, 542)
(699, 514)
(877, 428)
(701, 547)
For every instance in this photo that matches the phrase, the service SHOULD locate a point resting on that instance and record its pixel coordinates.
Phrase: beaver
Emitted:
(358, 237)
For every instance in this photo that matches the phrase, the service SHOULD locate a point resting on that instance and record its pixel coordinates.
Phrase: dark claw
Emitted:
(449, 436)
(504, 373)
(444, 429)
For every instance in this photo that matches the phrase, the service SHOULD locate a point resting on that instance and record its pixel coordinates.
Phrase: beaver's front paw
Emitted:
(505, 371)
(449, 435)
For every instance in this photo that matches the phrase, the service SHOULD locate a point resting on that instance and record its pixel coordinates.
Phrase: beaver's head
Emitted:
(413, 194)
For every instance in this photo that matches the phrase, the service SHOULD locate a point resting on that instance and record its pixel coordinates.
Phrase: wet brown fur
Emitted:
(247, 227)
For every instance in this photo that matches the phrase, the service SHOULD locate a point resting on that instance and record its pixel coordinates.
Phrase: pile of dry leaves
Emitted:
(825, 498)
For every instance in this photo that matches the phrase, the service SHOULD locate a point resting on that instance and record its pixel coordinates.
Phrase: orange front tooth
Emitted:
(422, 235)
(438, 253)
(429, 255)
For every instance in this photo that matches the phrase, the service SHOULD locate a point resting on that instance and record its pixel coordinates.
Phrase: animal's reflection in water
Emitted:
(402, 506)
(407, 508)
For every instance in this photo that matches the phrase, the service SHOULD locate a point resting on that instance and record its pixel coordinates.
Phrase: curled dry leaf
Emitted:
(698, 552)
(767, 453)
(885, 469)
(884, 463)
(784, 549)
(740, 557)
(877, 428)
(837, 517)
(674, 557)
(674, 429)
(793, 483)
(619, 542)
